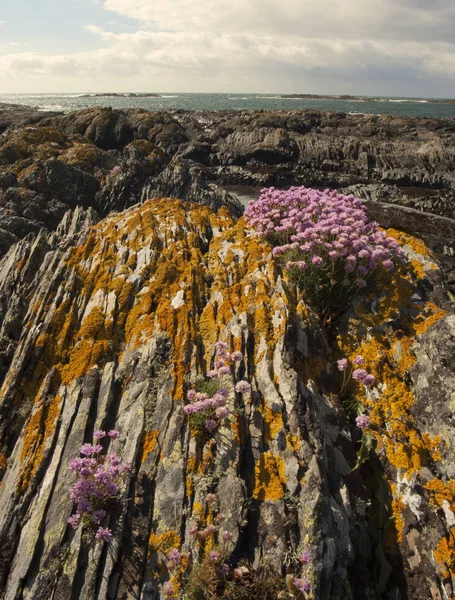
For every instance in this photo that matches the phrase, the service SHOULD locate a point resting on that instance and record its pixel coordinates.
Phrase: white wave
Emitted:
(50, 107)
(163, 96)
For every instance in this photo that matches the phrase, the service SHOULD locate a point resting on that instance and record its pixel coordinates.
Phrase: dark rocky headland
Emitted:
(124, 258)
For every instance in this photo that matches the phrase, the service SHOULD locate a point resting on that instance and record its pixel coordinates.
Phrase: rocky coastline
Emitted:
(124, 262)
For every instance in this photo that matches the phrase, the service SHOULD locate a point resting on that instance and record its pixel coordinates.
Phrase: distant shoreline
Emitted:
(347, 98)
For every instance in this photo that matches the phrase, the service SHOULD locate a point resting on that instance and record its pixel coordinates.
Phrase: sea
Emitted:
(403, 107)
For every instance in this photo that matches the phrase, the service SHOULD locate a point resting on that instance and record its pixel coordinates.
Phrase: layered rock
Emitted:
(106, 326)
(112, 159)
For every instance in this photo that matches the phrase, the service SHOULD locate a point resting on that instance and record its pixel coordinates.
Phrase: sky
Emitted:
(370, 47)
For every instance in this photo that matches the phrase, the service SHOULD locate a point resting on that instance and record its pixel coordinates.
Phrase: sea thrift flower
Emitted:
(210, 424)
(304, 557)
(224, 370)
(227, 536)
(240, 572)
(359, 375)
(211, 528)
(362, 421)
(358, 360)
(222, 412)
(74, 521)
(214, 555)
(210, 498)
(99, 481)
(342, 364)
(237, 356)
(174, 556)
(168, 589)
(388, 265)
(104, 534)
(368, 381)
(243, 387)
(224, 569)
(113, 434)
(192, 530)
(98, 516)
(213, 374)
(303, 585)
(311, 228)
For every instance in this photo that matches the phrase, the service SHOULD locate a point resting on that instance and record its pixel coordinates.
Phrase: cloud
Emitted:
(333, 46)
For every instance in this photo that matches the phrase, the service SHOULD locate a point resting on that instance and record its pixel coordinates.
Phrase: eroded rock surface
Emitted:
(105, 325)
(111, 159)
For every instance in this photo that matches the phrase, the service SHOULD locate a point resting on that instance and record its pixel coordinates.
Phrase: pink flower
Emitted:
(104, 534)
(363, 421)
(191, 395)
(214, 555)
(237, 356)
(113, 434)
(210, 498)
(168, 589)
(74, 521)
(242, 387)
(222, 412)
(213, 374)
(227, 536)
(98, 435)
(358, 360)
(368, 381)
(388, 265)
(342, 364)
(210, 424)
(224, 371)
(304, 557)
(359, 375)
(174, 556)
(317, 260)
(303, 585)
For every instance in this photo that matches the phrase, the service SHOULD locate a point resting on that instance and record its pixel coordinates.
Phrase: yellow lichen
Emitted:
(444, 554)
(149, 443)
(269, 478)
(40, 426)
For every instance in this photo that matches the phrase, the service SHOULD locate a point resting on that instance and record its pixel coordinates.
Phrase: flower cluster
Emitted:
(324, 238)
(100, 481)
(359, 375)
(211, 529)
(212, 408)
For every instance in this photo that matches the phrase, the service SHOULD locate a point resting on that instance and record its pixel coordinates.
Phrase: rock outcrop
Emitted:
(104, 324)
(112, 159)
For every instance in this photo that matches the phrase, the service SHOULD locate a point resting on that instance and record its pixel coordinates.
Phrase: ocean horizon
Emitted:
(389, 105)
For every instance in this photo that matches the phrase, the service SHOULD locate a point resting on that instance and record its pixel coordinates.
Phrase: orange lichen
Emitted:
(269, 478)
(149, 444)
(3, 461)
(440, 492)
(398, 507)
(444, 554)
(163, 542)
(273, 423)
(40, 426)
